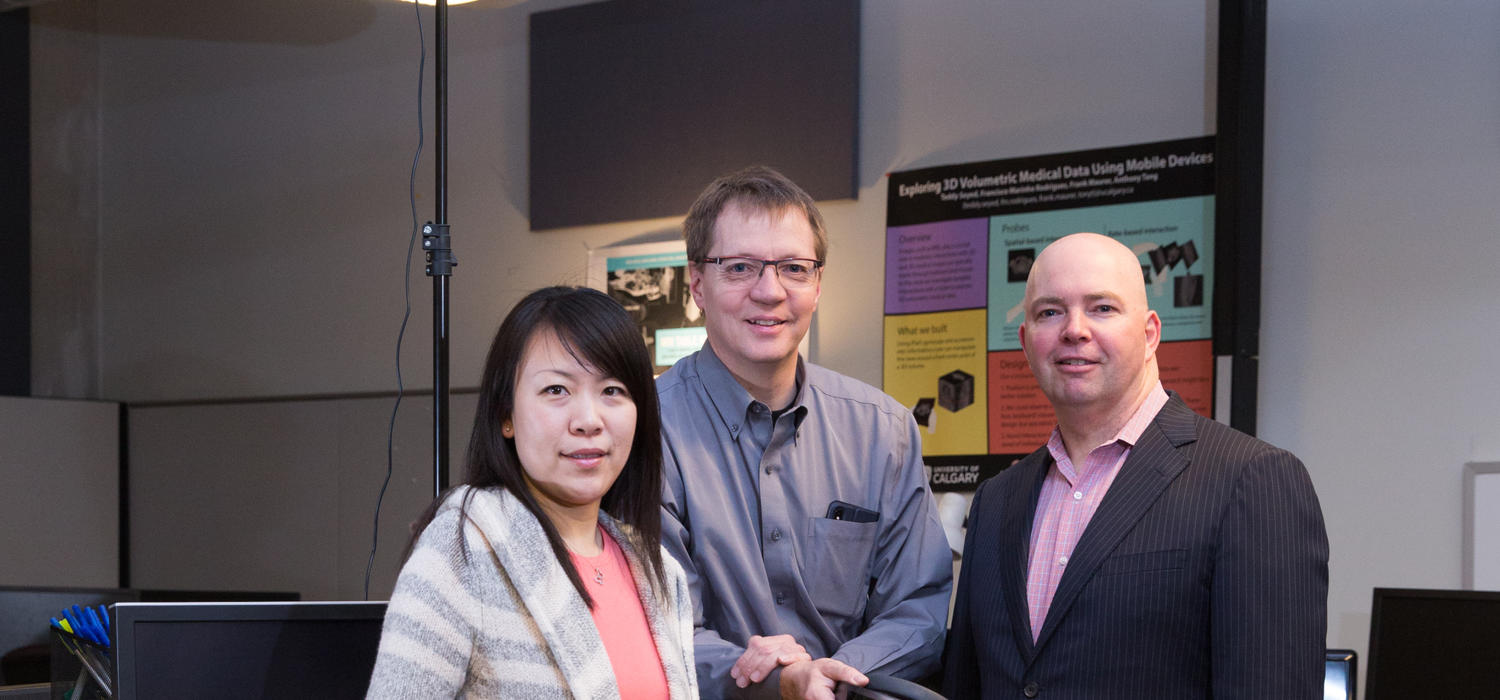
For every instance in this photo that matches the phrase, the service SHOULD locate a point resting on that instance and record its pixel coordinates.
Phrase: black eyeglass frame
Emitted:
(816, 264)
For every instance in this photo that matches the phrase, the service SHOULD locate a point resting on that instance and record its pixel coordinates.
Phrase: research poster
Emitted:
(650, 281)
(960, 240)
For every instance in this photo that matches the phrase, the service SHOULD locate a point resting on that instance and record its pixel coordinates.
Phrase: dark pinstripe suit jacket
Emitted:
(1203, 574)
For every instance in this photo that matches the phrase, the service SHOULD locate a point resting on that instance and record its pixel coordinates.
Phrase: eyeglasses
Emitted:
(794, 272)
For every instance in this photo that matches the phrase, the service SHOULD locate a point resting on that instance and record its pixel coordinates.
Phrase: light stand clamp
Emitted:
(438, 248)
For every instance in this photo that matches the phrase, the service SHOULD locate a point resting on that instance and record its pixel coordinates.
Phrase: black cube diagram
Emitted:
(1174, 254)
(956, 390)
(1189, 253)
(1188, 291)
(923, 412)
(1158, 259)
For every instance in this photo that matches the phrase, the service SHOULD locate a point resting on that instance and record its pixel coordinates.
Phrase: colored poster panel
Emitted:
(1188, 369)
(936, 267)
(1173, 239)
(939, 372)
(1021, 419)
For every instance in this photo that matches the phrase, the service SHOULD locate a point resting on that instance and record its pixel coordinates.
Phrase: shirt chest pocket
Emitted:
(836, 565)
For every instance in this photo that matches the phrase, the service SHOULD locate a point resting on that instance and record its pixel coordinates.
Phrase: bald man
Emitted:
(1145, 551)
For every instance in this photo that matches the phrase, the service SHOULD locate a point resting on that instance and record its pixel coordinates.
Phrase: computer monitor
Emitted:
(1340, 669)
(1434, 644)
(25, 610)
(244, 650)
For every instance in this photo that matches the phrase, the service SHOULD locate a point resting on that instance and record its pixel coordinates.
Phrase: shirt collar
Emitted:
(1130, 433)
(731, 400)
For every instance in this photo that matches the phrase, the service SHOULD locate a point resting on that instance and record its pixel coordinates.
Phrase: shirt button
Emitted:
(776, 535)
(770, 468)
(1062, 561)
(781, 599)
(1077, 495)
(1031, 690)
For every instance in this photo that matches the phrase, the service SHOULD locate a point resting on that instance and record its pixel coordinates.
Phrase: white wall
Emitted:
(253, 217)
(1379, 282)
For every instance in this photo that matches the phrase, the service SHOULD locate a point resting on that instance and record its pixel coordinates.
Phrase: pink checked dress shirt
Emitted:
(1068, 500)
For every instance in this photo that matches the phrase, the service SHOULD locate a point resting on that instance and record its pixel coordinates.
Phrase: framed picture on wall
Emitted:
(1481, 553)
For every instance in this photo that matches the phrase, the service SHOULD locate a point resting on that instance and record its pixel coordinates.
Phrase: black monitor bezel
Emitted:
(125, 615)
(1381, 595)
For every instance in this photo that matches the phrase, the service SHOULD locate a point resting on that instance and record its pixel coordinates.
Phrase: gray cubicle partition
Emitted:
(59, 492)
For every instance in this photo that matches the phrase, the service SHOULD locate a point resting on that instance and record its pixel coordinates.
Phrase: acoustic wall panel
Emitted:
(636, 105)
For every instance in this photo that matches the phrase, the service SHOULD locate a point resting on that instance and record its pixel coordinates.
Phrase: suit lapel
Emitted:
(1153, 463)
(1018, 511)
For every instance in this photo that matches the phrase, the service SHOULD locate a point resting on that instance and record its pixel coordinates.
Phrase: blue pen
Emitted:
(75, 616)
(91, 619)
(82, 624)
(100, 630)
(83, 617)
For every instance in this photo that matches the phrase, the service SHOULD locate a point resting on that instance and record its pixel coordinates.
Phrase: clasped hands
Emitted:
(804, 677)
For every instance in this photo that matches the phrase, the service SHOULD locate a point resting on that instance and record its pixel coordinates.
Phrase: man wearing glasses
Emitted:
(795, 497)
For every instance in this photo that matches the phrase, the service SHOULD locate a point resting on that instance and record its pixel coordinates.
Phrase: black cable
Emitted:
(411, 188)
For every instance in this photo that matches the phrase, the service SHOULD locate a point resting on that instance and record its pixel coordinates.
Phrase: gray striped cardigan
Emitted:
(506, 622)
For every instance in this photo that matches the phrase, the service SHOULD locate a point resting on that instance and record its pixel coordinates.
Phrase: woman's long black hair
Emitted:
(597, 332)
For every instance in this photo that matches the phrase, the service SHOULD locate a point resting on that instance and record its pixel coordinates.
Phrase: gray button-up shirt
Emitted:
(745, 508)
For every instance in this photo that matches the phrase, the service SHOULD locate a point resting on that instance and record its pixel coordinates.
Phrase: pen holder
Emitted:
(81, 670)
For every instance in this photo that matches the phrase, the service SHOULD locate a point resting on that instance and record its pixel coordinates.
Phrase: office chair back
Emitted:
(882, 687)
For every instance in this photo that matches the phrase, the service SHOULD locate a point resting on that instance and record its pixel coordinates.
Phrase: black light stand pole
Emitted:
(440, 260)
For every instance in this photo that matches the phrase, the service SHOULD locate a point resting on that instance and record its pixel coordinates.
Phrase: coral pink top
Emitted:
(622, 622)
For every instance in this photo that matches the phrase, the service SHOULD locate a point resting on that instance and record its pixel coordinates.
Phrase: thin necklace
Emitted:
(603, 550)
(598, 572)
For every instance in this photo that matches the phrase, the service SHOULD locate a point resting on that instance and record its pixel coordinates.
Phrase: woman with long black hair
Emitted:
(542, 574)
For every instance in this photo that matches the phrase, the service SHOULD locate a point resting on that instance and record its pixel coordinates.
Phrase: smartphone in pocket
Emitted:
(839, 510)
